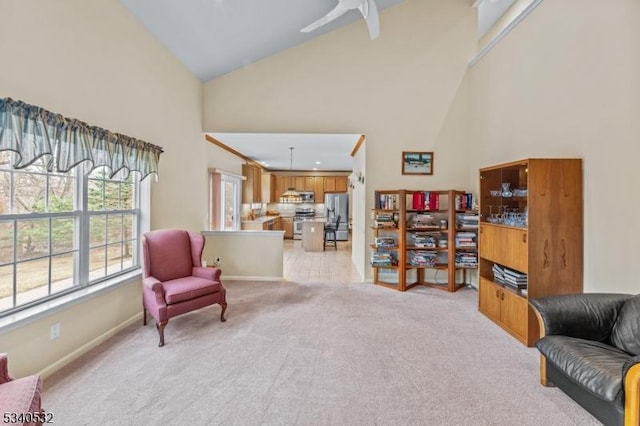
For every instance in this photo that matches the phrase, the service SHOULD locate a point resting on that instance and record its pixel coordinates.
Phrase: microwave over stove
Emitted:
(307, 197)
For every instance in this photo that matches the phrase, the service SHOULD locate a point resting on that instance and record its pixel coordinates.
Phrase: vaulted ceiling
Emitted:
(215, 37)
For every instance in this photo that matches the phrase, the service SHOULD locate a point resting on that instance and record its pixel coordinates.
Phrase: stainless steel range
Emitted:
(301, 215)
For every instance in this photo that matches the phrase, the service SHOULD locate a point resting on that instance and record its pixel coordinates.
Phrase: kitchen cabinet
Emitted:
(315, 184)
(335, 184)
(282, 184)
(287, 226)
(252, 185)
(329, 184)
(277, 224)
(269, 188)
(341, 184)
(531, 226)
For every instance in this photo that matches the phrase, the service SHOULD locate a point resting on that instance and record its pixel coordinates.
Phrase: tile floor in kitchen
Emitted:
(330, 265)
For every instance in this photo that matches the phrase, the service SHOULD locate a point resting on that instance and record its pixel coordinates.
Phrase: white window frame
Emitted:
(82, 287)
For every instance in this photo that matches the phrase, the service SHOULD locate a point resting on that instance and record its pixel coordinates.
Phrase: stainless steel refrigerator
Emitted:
(338, 204)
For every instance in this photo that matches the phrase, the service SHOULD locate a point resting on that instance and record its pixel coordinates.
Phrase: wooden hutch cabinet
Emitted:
(530, 239)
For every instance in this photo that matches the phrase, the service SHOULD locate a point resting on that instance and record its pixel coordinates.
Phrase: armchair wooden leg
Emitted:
(224, 308)
(144, 316)
(632, 396)
(160, 326)
(543, 372)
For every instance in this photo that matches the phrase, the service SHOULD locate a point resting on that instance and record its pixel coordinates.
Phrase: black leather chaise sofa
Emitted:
(590, 349)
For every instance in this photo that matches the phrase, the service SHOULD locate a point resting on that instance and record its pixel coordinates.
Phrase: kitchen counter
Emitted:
(313, 234)
(261, 219)
(262, 223)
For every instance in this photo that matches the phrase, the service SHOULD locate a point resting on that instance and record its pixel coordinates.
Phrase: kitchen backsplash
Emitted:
(283, 209)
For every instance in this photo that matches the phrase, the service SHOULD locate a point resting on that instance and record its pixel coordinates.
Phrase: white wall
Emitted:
(93, 61)
(566, 82)
(397, 90)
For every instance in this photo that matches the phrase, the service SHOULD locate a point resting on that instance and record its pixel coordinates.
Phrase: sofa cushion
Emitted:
(595, 366)
(626, 331)
(188, 288)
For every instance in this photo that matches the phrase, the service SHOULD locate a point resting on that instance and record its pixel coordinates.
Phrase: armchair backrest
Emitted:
(626, 331)
(171, 253)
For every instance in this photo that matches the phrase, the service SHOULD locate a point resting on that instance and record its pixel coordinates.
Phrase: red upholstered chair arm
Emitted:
(212, 274)
(154, 285)
(4, 369)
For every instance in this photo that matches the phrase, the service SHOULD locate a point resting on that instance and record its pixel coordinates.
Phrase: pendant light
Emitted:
(290, 195)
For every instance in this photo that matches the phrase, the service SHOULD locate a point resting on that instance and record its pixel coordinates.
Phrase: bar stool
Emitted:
(330, 230)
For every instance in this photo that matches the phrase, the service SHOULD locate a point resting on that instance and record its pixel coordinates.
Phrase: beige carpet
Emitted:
(314, 354)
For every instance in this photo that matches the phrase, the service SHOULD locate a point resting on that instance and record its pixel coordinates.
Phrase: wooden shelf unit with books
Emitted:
(423, 238)
(530, 239)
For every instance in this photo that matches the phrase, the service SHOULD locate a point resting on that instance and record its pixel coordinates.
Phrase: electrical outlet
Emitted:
(54, 331)
(216, 262)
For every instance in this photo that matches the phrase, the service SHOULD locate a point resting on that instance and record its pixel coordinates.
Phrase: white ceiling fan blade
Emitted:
(337, 12)
(370, 12)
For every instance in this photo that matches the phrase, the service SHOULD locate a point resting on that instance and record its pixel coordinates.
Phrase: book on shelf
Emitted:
(467, 220)
(383, 259)
(509, 277)
(385, 220)
(423, 258)
(466, 259)
(465, 201)
(423, 240)
(387, 201)
(466, 240)
(426, 200)
(382, 242)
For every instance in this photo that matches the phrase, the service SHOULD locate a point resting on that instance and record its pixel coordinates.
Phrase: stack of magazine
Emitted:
(423, 258)
(423, 240)
(385, 220)
(385, 242)
(382, 259)
(514, 279)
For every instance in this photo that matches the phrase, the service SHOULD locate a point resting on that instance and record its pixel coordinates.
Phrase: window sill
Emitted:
(34, 313)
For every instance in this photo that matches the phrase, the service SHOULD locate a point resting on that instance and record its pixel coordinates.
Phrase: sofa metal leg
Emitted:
(160, 326)
(224, 308)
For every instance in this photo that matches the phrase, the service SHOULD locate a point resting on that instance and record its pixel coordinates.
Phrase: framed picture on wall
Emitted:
(417, 163)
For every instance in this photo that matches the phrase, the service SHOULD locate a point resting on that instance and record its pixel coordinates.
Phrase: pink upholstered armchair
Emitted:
(21, 396)
(174, 280)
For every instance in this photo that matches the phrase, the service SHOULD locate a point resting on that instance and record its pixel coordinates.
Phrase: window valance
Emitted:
(33, 132)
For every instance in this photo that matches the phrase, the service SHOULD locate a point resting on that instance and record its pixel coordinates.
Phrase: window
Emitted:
(60, 232)
(496, 18)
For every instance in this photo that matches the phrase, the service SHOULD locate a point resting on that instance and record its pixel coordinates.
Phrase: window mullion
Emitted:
(82, 227)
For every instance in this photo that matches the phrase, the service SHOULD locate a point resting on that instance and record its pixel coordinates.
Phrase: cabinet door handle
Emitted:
(524, 237)
(502, 296)
(497, 293)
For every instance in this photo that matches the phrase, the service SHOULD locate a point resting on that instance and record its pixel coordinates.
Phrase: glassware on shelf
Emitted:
(506, 189)
(508, 216)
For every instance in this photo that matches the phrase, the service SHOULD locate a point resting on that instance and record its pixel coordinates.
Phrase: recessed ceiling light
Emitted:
(317, 162)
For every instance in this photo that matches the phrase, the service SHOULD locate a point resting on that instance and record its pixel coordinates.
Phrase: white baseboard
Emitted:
(245, 278)
(49, 370)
